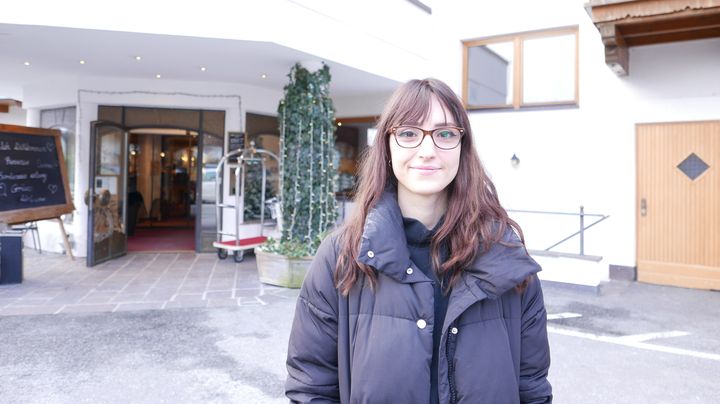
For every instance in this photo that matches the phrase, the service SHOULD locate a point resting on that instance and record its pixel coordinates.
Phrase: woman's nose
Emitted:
(427, 146)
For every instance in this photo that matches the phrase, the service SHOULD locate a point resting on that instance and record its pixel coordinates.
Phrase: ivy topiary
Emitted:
(307, 172)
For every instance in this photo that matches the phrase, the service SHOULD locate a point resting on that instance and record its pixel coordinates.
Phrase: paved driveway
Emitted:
(192, 329)
(54, 284)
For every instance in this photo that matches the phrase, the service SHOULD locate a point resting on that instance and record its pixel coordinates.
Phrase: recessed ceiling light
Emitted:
(263, 76)
(82, 62)
(138, 57)
(202, 69)
(157, 76)
(27, 63)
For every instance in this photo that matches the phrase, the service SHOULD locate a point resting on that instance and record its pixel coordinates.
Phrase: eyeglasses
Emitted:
(410, 137)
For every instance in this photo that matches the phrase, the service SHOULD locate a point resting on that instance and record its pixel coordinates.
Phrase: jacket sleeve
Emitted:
(534, 349)
(312, 362)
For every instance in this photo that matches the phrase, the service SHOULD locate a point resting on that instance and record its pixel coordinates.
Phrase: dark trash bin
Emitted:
(11, 258)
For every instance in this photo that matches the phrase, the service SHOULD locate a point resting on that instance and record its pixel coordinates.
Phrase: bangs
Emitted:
(413, 107)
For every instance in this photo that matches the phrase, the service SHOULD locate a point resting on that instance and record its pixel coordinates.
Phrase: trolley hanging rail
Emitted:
(234, 241)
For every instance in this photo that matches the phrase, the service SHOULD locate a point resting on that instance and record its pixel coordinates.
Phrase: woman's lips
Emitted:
(425, 170)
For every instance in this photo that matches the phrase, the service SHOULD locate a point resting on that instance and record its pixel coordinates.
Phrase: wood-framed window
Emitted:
(522, 70)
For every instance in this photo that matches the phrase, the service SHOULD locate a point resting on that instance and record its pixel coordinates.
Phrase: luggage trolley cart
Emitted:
(245, 236)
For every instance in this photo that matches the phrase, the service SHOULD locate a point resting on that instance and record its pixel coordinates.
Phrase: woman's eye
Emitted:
(445, 134)
(407, 134)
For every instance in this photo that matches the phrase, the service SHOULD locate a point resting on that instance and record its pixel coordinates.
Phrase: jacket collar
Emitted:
(384, 247)
(503, 266)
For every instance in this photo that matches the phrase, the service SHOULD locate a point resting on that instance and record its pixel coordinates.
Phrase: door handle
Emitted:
(643, 207)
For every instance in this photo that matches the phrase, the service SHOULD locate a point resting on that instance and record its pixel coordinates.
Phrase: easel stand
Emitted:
(4, 228)
(66, 242)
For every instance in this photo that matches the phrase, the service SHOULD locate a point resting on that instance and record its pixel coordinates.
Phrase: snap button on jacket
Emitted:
(376, 346)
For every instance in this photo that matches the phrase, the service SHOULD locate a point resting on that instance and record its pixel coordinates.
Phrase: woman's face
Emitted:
(426, 170)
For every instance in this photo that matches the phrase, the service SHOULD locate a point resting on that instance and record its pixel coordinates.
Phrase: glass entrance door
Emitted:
(210, 151)
(106, 195)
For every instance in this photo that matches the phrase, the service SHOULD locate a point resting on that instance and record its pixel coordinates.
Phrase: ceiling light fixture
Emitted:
(157, 76)
(202, 69)
(263, 76)
(27, 63)
(82, 62)
(138, 57)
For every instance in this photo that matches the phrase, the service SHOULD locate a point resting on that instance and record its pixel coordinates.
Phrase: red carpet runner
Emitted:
(159, 239)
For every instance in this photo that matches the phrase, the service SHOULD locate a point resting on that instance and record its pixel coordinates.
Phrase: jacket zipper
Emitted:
(449, 355)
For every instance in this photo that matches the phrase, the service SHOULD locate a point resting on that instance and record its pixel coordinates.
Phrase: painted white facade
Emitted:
(569, 157)
(583, 156)
(15, 116)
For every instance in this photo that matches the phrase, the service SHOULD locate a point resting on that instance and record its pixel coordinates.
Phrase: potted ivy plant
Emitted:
(307, 177)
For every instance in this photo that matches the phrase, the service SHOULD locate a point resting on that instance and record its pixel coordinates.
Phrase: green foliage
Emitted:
(307, 150)
(292, 248)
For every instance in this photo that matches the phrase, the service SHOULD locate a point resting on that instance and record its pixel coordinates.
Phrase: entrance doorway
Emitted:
(678, 216)
(154, 166)
(162, 182)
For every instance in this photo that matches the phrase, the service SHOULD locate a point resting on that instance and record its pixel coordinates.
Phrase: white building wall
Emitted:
(15, 116)
(585, 155)
(360, 106)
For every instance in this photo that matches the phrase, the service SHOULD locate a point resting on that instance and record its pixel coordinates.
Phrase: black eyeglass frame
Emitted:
(393, 131)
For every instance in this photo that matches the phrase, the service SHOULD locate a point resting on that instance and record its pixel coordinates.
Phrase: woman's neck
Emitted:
(427, 209)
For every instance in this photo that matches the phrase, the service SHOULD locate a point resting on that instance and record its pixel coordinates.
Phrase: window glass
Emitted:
(549, 69)
(522, 70)
(490, 74)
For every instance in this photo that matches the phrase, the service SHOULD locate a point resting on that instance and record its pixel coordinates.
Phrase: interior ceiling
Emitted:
(57, 52)
(163, 132)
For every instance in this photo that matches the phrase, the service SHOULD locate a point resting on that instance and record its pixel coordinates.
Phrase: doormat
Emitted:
(159, 240)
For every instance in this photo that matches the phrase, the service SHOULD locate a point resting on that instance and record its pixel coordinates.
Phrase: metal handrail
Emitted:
(580, 232)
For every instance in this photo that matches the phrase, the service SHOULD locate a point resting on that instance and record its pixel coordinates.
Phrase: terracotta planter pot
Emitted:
(280, 270)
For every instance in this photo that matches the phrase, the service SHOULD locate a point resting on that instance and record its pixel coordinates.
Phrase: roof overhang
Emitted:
(626, 23)
(31, 54)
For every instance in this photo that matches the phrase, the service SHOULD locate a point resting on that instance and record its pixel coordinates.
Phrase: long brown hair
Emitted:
(474, 218)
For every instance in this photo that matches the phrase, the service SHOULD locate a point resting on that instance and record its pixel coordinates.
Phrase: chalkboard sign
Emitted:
(33, 178)
(236, 140)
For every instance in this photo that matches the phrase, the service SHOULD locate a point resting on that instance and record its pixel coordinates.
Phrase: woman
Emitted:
(425, 295)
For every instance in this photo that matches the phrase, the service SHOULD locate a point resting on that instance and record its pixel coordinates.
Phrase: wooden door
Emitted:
(678, 204)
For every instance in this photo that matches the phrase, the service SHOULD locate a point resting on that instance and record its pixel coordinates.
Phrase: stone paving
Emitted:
(54, 284)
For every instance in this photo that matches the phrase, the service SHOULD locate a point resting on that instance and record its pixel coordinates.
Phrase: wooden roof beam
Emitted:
(626, 23)
(617, 56)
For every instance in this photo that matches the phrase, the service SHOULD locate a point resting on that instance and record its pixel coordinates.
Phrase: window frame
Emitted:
(518, 39)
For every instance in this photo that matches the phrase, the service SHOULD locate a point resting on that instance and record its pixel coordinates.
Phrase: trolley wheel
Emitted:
(222, 253)
(238, 255)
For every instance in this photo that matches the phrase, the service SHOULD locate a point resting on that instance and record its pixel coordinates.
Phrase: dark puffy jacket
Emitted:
(376, 346)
